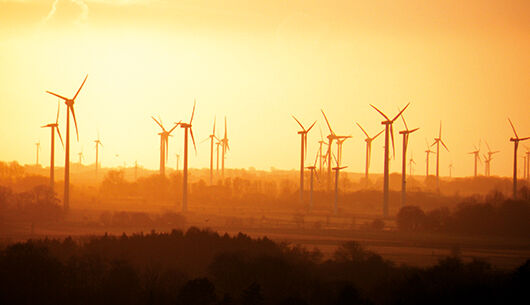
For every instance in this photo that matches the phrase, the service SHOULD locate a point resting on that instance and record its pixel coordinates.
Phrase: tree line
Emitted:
(204, 267)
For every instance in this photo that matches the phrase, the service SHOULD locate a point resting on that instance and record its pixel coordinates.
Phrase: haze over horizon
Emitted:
(257, 63)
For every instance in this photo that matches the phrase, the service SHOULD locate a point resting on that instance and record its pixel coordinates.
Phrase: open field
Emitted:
(320, 231)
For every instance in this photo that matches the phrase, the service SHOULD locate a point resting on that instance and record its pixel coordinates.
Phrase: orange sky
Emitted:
(463, 62)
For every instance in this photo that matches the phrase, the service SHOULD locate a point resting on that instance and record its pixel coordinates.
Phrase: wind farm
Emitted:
(305, 185)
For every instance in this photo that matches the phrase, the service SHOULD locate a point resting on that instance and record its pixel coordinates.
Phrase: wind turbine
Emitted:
(217, 144)
(340, 141)
(164, 139)
(320, 156)
(487, 160)
(405, 134)
(337, 172)
(38, 149)
(411, 162)
(178, 158)
(527, 163)
(515, 141)
(225, 147)
(368, 141)
(187, 127)
(476, 155)
(98, 143)
(451, 169)
(428, 152)
(437, 142)
(389, 131)
(331, 137)
(212, 137)
(313, 173)
(69, 107)
(81, 156)
(54, 127)
(303, 152)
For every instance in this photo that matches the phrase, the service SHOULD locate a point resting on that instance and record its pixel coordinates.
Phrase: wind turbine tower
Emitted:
(225, 147)
(164, 139)
(487, 160)
(212, 138)
(368, 141)
(303, 152)
(331, 137)
(389, 132)
(476, 156)
(337, 173)
(186, 127)
(98, 143)
(428, 152)
(405, 134)
(515, 141)
(437, 142)
(54, 127)
(411, 162)
(69, 107)
(313, 173)
(38, 149)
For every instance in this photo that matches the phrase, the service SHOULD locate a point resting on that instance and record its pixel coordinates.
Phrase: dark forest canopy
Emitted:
(203, 267)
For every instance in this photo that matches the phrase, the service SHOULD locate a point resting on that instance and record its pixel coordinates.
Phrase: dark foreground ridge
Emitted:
(203, 267)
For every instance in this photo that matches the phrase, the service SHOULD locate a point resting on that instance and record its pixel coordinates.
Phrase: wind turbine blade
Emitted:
(193, 111)
(58, 108)
(225, 128)
(321, 137)
(311, 127)
(75, 122)
(57, 95)
(193, 140)
(363, 130)
(404, 122)
(298, 122)
(413, 130)
(327, 122)
(214, 119)
(440, 132)
(204, 140)
(489, 149)
(378, 134)
(59, 133)
(171, 130)
(523, 139)
(380, 112)
(392, 135)
(397, 116)
(73, 99)
(159, 124)
(513, 128)
(444, 145)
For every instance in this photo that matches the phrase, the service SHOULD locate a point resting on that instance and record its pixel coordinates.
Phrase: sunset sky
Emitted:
(466, 63)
